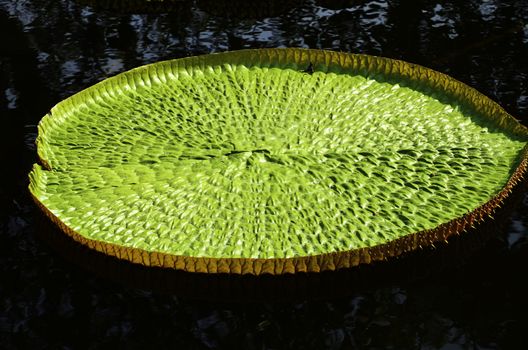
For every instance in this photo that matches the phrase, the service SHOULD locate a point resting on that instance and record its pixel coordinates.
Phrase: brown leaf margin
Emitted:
(299, 59)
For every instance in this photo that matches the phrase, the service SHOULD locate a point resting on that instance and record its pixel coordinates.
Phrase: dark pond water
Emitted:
(52, 49)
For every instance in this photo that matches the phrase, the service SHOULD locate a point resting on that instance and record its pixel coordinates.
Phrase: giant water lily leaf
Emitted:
(276, 160)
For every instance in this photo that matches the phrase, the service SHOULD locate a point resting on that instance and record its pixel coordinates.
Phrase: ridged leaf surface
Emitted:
(239, 157)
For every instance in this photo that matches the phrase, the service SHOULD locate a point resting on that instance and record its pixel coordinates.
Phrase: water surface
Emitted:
(52, 49)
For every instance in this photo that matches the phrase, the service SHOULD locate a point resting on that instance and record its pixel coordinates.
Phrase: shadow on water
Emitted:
(409, 268)
(451, 301)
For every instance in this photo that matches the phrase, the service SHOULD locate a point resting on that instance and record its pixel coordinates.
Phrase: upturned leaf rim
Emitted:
(298, 59)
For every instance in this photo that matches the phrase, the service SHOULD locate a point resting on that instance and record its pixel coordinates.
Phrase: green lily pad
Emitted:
(278, 160)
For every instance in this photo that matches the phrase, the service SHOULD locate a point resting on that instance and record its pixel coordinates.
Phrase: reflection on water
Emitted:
(445, 17)
(55, 48)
